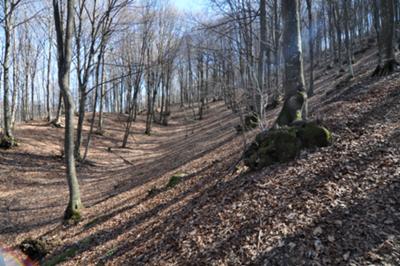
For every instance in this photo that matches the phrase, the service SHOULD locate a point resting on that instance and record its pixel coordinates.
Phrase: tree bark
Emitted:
(7, 140)
(64, 53)
(346, 8)
(311, 46)
(295, 105)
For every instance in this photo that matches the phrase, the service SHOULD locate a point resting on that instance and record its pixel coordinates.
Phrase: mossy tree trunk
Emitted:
(295, 105)
(64, 54)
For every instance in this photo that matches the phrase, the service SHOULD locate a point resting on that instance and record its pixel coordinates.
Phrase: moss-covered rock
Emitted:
(36, 249)
(284, 144)
(280, 145)
(313, 135)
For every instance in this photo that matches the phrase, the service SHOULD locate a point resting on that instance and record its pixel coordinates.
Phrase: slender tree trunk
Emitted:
(15, 84)
(64, 53)
(347, 37)
(8, 138)
(311, 46)
(263, 48)
(48, 107)
(377, 27)
(102, 95)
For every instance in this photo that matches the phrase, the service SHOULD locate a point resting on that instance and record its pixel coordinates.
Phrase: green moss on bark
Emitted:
(72, 215)
(292, 109)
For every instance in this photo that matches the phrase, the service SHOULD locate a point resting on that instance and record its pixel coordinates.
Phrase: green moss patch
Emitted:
(175, 180)
(284, 144)
(313, 135)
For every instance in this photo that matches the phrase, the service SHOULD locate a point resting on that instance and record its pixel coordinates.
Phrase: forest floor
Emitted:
(338, 205)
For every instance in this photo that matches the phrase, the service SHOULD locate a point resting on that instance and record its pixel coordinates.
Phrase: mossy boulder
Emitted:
(313, 135)
(269, 147)
(35, 249)
(284, 144)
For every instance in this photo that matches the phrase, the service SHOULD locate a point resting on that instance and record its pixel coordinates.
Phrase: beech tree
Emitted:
(387, 38)
(295, 105)
(8, 6)
(64, 36)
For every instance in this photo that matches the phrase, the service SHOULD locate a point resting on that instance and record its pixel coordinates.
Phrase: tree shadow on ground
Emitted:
(103, 236)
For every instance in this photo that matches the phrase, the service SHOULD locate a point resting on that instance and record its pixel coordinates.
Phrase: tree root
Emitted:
(72, 215)
(7, 142)
(388, 68)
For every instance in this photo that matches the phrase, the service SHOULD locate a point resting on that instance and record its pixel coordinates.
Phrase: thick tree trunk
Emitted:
(387, 39)
(295, 106)
(263, 48)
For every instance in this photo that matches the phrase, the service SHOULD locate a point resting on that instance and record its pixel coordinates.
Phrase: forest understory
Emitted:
(338, 205)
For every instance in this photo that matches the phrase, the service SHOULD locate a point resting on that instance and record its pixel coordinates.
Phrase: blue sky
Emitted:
(189, 4)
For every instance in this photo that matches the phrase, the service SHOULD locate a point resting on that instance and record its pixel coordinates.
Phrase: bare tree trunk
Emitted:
(263, 48)
(7, 140)
(347, 37)
(15, 84)
(295, 106)
(33, 75)
(64, 53)
(102, 95)
(377, 27)
(97, 76)
(48, 107)
(311, 46)
(388, 35)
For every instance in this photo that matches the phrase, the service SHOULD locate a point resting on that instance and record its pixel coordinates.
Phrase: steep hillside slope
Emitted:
(336, 205)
